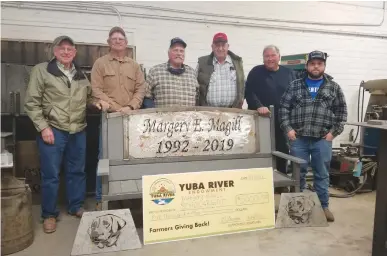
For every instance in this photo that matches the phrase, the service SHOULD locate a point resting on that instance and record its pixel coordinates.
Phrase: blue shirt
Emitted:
(313, 86)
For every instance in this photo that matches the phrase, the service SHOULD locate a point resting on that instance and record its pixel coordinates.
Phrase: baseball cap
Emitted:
(117, 29)
(317, 55)
(220, 37)
(60, 39)
(177, 40)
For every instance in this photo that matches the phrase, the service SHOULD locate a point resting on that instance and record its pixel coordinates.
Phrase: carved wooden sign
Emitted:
(190, 133)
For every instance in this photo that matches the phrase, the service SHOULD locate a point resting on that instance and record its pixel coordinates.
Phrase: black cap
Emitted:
(317, 55)
(177, 40)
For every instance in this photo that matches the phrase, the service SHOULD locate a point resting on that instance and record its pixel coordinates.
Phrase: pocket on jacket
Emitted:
(47, 111)
(131, 81)
(109, 79)
(298, 101)
(326, 99)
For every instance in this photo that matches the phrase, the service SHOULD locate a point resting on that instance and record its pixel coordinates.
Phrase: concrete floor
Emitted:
(350, 234)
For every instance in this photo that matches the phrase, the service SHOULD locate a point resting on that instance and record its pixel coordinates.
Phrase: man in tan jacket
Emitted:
(56, 101)
(118, 82)
(116, 79)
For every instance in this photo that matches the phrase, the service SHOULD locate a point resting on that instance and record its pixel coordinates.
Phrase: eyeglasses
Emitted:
(66, 49)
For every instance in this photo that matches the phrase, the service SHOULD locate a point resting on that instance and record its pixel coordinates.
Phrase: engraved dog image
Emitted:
(105, 230)
(299, 209)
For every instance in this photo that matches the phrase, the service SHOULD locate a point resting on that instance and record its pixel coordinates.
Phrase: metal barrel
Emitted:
(17, 231)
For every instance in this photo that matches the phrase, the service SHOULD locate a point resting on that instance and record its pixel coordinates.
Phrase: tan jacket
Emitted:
(120, 83)
(52, 100)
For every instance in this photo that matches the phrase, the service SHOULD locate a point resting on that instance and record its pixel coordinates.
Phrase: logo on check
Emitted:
(162, 191)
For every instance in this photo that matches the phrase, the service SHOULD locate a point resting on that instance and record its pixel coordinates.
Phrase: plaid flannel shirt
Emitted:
(168, 90)
(314, 118)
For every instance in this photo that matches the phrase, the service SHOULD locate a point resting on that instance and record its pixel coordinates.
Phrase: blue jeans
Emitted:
(319, 153)
(71, 149)
(98, 180)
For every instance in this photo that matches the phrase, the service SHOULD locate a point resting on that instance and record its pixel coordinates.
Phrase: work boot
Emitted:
(79, 213)
(49, 225)
(98, 206)
(329, 215)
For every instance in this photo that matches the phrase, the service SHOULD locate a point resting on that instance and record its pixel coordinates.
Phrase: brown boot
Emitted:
(79, 213)
(98, 206)
(329, 215)
(49, 225)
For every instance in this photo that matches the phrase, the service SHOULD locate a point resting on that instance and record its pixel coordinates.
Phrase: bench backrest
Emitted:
(186, 134)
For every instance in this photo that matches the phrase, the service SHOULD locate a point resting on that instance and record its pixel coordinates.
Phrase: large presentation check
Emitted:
(192, 205)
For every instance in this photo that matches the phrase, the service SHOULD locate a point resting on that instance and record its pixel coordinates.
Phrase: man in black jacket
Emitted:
(264, 87)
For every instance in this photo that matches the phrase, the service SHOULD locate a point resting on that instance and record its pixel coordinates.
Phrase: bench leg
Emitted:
(296, 176)
(105, 191)
(105, 205)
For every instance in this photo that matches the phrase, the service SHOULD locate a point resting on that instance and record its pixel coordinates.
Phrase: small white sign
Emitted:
(190, 133)
(106, 231)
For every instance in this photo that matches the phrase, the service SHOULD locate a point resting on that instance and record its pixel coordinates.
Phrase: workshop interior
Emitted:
(353, 170)
(353, 167)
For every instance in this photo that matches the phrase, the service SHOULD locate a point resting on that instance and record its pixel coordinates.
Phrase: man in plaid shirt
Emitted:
(172, 83)
(312, 112)
(221, 76)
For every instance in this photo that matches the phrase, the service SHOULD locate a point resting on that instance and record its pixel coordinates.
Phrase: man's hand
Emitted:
(125, 110)
(329, 136)
(292, 135)
(102, 105)
(263, 111)
(48, 136)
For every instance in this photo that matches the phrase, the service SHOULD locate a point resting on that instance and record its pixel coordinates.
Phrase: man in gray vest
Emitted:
(220, 76)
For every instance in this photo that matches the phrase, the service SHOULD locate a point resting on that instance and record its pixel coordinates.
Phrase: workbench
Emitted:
(379, 246)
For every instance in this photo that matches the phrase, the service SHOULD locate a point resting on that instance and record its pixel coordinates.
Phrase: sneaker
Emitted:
(329, 215)
(49, 225)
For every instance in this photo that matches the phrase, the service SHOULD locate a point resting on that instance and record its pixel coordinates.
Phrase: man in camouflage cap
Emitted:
(56, 99)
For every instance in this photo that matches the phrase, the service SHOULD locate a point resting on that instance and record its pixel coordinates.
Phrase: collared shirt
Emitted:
(222, 89)
(70, 73)
(121, 83)
(313, 117)
(168, 90)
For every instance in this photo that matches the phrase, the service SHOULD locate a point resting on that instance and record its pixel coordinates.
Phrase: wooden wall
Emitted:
(31, 53)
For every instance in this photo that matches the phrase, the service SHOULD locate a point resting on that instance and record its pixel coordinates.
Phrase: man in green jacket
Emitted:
(220, 76)
(55, 101)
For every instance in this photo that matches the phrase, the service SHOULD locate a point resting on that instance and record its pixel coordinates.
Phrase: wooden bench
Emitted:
(128, 155)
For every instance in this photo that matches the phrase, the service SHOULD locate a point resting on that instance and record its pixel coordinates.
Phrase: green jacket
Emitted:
(51, 100)
(205, 70)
